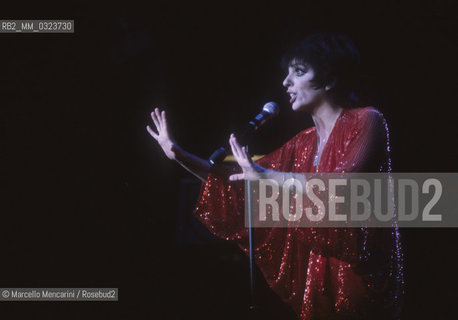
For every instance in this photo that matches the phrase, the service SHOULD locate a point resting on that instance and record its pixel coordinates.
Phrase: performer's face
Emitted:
(303, 95)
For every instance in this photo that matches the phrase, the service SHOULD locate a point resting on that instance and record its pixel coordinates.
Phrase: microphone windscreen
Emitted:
(272, 108)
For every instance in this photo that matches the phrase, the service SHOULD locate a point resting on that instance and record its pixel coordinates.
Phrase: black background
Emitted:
(89, 200)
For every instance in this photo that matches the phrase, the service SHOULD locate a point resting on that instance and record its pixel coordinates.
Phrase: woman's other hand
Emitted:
(251, 170)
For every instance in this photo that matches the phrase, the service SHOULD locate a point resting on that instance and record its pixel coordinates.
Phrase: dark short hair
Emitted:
(335, 60)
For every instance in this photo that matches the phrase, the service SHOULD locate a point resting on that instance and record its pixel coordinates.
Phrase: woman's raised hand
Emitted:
(162, 136)
(251, 170)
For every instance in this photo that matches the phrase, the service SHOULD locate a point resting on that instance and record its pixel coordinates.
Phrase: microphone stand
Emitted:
(217, 157)
(269, 110)
(253, 307)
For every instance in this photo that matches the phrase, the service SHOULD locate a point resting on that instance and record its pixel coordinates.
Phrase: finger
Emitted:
(164, 121)
(234, 148)
(237, 177)
(158, 117)
(151, 132)
(155, 120)
(245, 153)
(237, 146)
(241, 150)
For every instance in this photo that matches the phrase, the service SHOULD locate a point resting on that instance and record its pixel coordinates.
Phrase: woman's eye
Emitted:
(299, 72)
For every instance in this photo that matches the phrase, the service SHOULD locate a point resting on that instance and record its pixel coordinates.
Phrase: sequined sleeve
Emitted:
(221, 203)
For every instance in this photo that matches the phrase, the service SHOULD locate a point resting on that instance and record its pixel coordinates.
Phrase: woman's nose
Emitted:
(287, 82)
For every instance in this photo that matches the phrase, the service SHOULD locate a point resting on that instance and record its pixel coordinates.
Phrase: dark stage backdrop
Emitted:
(89, 200)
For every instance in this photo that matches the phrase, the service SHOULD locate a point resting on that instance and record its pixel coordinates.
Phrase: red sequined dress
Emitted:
(335, 273)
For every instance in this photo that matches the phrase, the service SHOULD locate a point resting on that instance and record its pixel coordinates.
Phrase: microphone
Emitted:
(269, 110)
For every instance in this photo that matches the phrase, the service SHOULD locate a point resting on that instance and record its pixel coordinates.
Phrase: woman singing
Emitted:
(322, 273)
